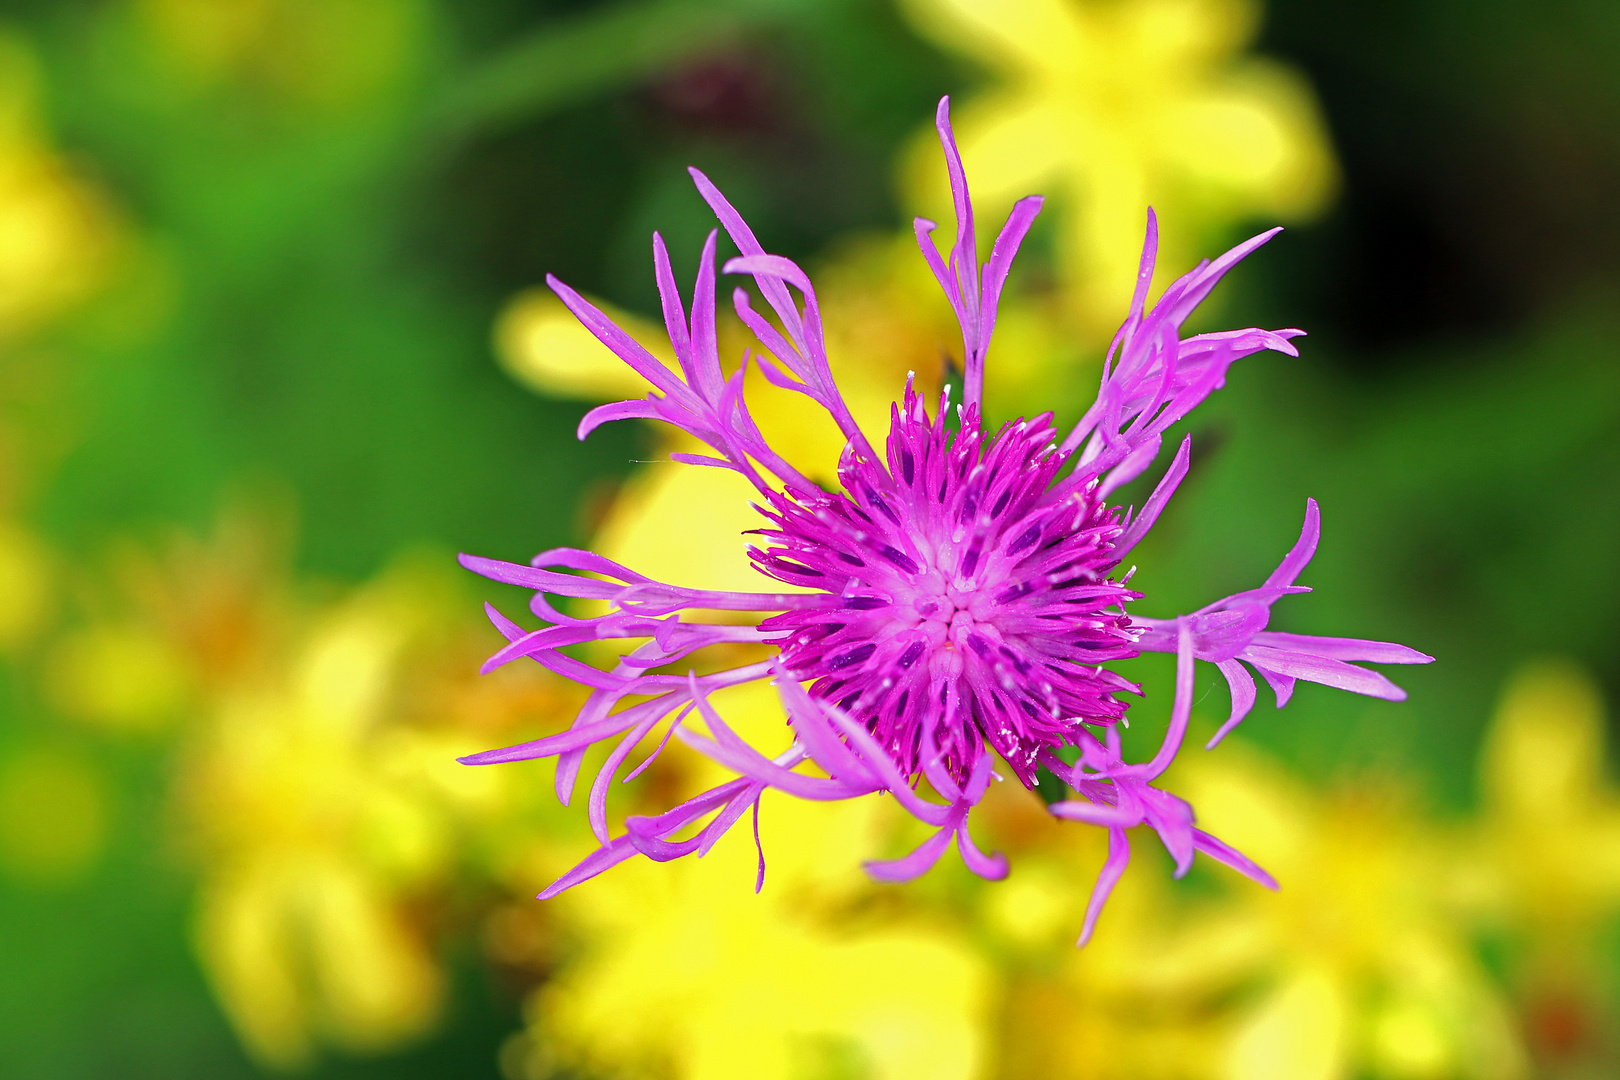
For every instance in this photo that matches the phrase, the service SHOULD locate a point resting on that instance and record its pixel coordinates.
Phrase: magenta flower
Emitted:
(962, 587)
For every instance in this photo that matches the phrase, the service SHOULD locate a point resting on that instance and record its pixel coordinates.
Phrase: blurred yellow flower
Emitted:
(1110, 106)
(540, 344)
(1552, 818)
(26, 586)
(316, 790)
(1549, 838)
(307, 839)
(686, 973)
(57, 234)
(1358, 966)
(1359, 959)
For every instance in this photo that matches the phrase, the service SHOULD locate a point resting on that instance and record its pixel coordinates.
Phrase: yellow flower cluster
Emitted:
(318, 796)
(57, 234)
(1111, 107)
(58, 243)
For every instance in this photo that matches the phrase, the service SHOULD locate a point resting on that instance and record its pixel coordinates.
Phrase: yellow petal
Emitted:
(1544, 753)
(1255, 142)
(684, 524)
(1297, 1033)
(1016, 36)
(243, 938)
(542, 345)
(378, 985)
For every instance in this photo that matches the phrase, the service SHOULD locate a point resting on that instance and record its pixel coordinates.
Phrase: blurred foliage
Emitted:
(267, 294)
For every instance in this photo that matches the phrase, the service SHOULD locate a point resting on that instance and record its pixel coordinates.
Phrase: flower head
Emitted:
(976, 608)
(953, 603)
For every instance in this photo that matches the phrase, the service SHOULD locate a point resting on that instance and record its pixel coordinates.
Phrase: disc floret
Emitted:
(977, 607)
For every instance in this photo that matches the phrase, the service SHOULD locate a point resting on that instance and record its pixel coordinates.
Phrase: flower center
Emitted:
(969, 597)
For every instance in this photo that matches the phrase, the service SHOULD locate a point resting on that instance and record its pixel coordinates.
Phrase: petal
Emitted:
(1119, 854)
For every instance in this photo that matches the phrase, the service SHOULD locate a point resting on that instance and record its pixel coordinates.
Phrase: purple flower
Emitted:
(954, 602)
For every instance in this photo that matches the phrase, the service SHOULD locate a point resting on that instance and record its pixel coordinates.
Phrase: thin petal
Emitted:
(1377, 652)
(776, 293)
(1139, 525)
(1304, 548)
(1119, 854)
(1232, 857)
(1181, 711)
(603, 858)
(1241, 685)
(917, 863)
(1321, 669)
(992, 867)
